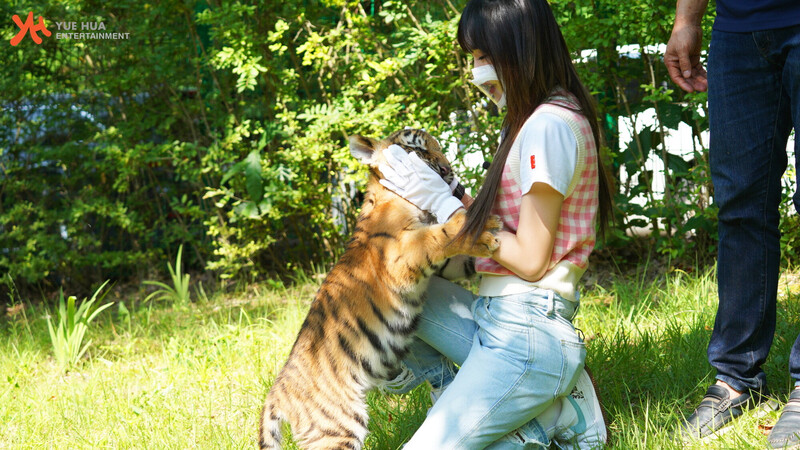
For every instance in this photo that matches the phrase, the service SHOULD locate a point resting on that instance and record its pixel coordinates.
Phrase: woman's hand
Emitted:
(411, 178)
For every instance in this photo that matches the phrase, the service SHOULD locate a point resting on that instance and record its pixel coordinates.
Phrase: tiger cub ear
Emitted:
(363, 148)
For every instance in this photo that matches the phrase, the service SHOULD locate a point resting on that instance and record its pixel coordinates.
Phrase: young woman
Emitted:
(507, 366)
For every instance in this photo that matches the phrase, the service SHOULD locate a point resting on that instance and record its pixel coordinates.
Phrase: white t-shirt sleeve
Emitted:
(548, 153)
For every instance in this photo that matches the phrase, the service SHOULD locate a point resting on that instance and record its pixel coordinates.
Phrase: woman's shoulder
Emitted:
(560, 109)
(554, 112)
(543, 122)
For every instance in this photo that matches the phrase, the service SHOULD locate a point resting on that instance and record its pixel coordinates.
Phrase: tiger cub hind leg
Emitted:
(336, 443)
(323, 414)
(269, 432)
(310, 434)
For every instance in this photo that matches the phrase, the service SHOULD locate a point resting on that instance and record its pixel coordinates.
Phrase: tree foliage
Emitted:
(223, 125)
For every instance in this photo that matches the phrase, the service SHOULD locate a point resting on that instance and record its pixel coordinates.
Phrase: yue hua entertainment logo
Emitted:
(71, 30)
(27, 27)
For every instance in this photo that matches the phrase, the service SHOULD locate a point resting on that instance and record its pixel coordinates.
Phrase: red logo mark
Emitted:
(29, 26)
(533, 161)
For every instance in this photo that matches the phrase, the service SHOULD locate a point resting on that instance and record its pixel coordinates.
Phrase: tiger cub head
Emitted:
(370, 151)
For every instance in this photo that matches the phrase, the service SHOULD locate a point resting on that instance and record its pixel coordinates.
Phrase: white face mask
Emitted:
(485, 78)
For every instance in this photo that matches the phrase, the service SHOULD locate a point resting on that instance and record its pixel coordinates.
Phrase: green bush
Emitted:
(223, 125)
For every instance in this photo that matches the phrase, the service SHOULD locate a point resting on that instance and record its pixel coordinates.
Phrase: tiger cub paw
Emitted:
(457, 220)
(494, 224)
(487, 243)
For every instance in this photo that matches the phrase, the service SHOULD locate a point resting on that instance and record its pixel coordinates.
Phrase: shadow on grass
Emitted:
(650, 377)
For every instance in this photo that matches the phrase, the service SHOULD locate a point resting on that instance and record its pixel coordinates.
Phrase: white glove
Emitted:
(411, 178)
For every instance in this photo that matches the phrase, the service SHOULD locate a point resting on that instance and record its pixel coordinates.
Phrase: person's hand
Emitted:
(682, 58)
(411, 178)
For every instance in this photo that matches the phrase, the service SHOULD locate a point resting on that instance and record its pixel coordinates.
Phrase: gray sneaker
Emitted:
(575, 421)
(582, 423)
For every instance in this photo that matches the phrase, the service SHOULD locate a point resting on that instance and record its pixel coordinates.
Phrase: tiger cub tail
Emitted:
(269, 434)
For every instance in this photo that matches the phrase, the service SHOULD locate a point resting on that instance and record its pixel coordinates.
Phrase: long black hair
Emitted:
(524, 44)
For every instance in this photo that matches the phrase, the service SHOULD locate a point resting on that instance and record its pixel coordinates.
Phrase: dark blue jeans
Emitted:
(754, 102)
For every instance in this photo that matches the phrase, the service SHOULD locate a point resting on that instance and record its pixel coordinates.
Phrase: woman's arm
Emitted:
(528, 253)
(466, 200)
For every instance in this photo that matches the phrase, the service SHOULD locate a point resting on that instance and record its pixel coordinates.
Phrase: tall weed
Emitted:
(72, 326)
(178, 293)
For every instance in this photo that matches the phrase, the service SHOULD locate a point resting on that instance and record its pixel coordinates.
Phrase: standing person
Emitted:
(521, 381)
(753, 87)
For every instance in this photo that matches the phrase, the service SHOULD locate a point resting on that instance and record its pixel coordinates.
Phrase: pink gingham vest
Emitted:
(575, 237)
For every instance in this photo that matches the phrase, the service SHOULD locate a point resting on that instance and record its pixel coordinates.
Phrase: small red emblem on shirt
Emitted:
(533, 161)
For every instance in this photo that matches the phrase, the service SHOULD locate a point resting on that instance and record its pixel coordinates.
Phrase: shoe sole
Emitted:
(709, 438)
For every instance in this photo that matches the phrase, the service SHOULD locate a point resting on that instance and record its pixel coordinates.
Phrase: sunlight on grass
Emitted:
(164, 377)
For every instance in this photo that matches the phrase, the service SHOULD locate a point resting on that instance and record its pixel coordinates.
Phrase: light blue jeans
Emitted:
(516, 354)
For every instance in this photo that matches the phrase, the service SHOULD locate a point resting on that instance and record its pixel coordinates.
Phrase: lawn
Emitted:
(160, 375)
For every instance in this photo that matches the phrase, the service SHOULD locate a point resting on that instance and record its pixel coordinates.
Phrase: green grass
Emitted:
(161, 376)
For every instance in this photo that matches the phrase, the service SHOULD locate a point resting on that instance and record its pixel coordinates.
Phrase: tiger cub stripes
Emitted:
(364, 315)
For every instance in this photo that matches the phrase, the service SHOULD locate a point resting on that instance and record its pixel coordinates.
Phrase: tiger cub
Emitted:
(367, 308)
